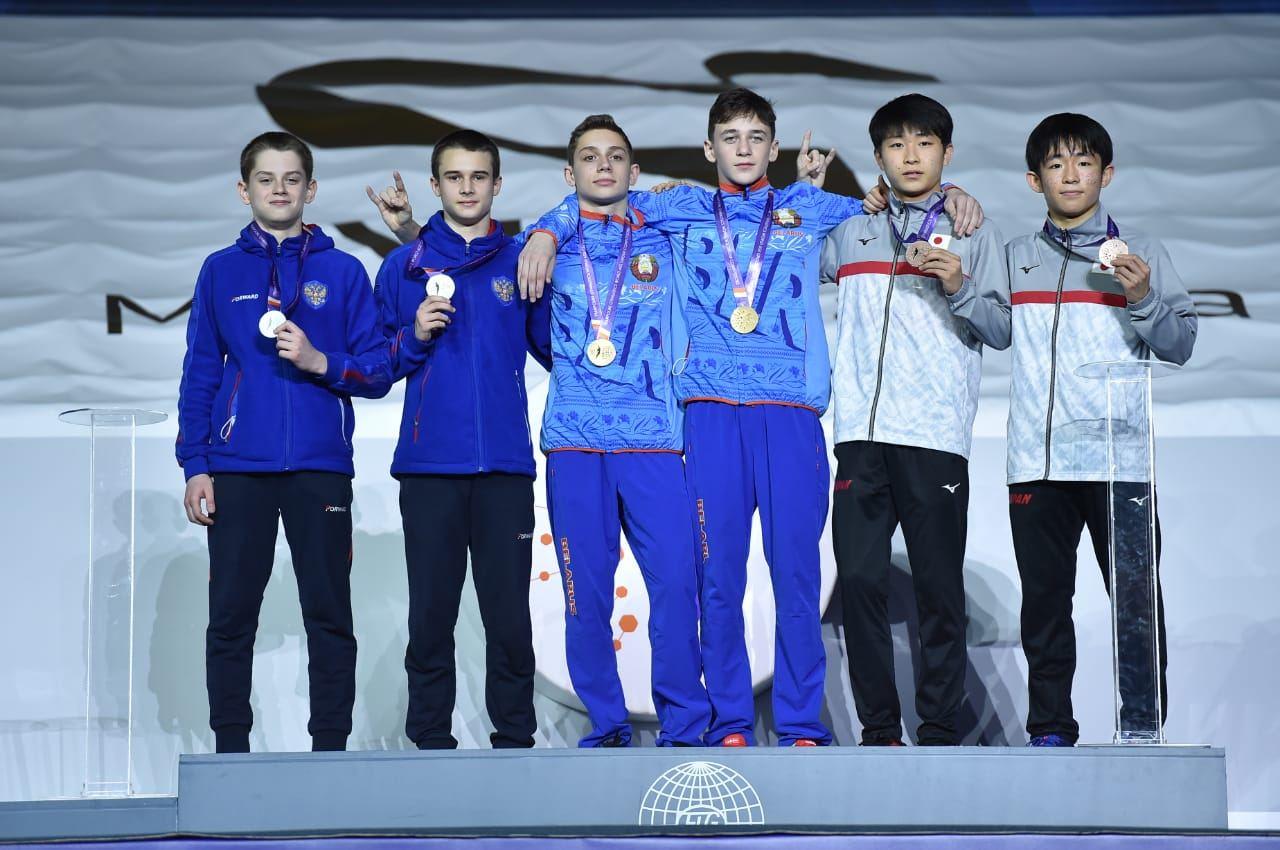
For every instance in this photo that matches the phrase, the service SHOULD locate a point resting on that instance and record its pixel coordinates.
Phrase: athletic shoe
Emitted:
(805, 742)
(614, 740)
(737, 739)
(890, 742)
(1049, 741)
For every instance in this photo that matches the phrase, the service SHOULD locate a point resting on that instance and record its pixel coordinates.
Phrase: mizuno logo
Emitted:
(1140, 501)
(1027, 269)
(951, 488)
(868, 239)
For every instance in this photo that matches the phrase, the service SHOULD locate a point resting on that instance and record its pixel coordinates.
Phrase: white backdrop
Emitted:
(117, 171)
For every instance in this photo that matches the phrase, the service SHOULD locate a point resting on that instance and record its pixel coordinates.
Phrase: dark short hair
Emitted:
(741, 103)
(467, 140)
(1069, 131)
(910, 112)
(596, 122)
(275, 141)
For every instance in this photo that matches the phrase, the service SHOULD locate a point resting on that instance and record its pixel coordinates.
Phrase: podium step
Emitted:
(603, 792)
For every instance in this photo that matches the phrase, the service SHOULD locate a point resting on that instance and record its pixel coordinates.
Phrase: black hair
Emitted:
(596, 122)
(467, 140)
(910, 112)
(741, 103)
(1068, 131)
(275, 141)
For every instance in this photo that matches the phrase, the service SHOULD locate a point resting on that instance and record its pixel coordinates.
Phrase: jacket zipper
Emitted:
(230, 424)
(884, 330)
(1053, 355)
(422, 392)
(284, 384)
(524, 406)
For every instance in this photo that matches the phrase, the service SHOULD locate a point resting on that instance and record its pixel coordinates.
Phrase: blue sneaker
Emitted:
(1049, 741)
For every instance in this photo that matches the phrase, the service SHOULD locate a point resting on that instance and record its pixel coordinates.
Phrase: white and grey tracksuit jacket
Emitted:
(1067, 313)
(908, 357)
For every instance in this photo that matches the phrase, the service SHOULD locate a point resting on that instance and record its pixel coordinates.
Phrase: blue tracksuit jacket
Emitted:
(465, 407)
(241, 408)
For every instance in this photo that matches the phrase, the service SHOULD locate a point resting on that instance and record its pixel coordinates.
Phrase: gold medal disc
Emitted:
(744, 319)
(601, 352)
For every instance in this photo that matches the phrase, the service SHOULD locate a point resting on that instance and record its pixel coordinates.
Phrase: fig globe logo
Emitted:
(701, 793)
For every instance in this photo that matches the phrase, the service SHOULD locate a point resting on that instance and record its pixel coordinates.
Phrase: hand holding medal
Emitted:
(1134, 275)
(941, 263)
(432, 316)
(292, 345)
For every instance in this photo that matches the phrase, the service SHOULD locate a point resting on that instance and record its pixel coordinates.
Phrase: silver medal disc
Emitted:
(270, 323)
(441, 286)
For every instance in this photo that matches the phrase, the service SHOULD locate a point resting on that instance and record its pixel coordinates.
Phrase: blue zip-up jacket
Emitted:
(630, 404)
(465, 407)
(241, 408)
(784, 360)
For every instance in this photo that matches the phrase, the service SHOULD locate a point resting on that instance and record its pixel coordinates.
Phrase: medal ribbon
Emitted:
(744, 291)
(1113, 232)
(420, 248)
(602, 319)
(273, 287)
(925, 230)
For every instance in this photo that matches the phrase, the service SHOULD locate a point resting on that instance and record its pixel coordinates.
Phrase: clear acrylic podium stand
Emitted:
(108, 693)
(1132, 546)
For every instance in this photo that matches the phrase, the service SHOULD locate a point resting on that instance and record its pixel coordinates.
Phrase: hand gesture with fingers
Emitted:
(198, 500)
(432, 317)
(1134, 275)
(812, 164)
(393, 203)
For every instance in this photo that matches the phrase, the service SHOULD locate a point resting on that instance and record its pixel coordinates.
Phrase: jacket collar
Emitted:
(442, 241)
(1091, 230)
(761, 185)
(291, 247)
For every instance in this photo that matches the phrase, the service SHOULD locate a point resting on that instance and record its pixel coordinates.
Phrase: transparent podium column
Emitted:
(1132, 545)
(108, 693)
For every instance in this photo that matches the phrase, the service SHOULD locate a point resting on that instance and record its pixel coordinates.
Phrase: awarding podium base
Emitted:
(671, 791)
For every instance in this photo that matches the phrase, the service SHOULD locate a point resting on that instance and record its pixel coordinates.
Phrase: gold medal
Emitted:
(744, 319)
(601, 352)
(916, 252)
(1109, 250)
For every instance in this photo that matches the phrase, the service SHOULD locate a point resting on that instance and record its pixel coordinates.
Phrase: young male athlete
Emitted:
(282, 333)
(917, 303)
(459, 334)
(1085, 288)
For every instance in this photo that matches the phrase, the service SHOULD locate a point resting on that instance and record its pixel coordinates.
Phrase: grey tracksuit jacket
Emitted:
(908, 357)
(1067, 313)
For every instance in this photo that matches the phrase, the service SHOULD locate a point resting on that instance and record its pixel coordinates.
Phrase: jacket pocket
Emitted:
(524, 408)
(342, 421)
(233, 402)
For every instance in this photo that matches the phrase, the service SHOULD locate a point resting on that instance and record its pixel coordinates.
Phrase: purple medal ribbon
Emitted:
(744, 292)
(273, 287)
(1113, 232)
(412, 269)
(925, 230)
(602, 320)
